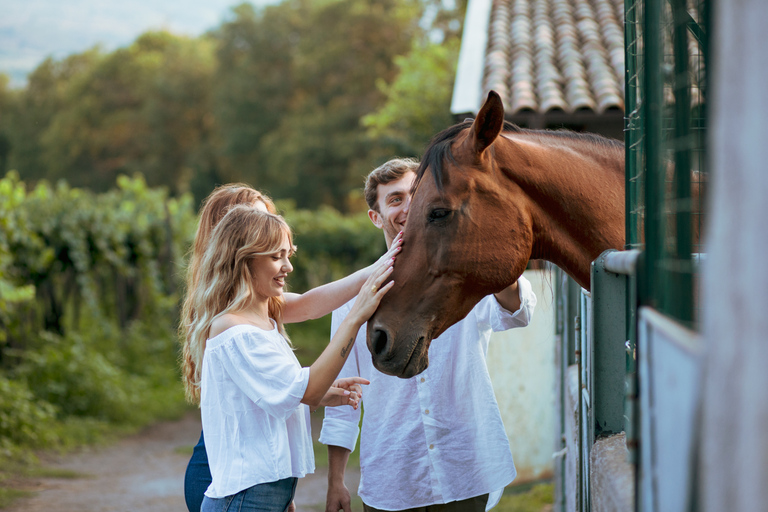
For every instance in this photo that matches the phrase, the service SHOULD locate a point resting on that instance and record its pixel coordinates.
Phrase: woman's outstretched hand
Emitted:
(371, 293)
(394, 249)
(346, 391)
(384, 260)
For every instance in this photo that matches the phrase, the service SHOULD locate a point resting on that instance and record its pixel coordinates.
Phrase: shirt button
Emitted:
(422, 379)
(431, 447)
(426, 411)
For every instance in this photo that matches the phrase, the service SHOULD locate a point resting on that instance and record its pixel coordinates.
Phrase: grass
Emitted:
(535, 497)
(44, 472)
(8, 496)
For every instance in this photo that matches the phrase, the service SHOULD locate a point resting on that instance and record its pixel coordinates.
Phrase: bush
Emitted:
(89, 300)
(81, 381)
(24, 419)
(330, 245)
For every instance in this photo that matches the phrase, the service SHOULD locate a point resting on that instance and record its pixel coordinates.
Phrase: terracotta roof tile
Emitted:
(545, 55)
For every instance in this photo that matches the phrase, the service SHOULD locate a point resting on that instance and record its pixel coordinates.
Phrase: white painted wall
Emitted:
(522, 367)
(734, 445)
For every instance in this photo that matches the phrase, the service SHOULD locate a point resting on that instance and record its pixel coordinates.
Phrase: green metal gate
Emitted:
(666, 63)
(599, 389)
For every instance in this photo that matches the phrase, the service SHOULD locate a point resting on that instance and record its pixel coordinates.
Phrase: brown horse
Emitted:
(498, 196)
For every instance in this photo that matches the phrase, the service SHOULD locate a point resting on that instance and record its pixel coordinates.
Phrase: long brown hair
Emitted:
(213, 209)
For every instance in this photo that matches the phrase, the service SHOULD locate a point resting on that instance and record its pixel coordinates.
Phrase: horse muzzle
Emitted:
(399, 356)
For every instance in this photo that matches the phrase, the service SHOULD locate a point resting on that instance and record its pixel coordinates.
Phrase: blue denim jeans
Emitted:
(268, 497)
(197, 478)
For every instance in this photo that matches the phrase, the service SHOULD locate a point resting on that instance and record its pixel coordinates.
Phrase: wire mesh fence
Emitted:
(666, 123)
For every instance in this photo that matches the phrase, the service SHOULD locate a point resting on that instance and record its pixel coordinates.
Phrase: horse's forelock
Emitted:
(438, 150)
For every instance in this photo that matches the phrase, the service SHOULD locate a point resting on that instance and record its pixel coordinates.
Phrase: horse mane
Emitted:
(439, 148)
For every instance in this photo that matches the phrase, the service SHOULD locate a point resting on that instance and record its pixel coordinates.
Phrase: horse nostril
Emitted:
(380, 342)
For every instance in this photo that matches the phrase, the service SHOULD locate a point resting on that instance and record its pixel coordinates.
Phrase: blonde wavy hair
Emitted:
(214, 208)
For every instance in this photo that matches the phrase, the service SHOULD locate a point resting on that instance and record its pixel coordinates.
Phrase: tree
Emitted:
(5, 126)
(32, 110)
(442, 20)
(319, 152)
(144, 108)
(418, 100)
(254, 84)
(273, 97)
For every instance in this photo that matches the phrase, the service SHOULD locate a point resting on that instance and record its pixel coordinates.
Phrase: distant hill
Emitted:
(31, 30)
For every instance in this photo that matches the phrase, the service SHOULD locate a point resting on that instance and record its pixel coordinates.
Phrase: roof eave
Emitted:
(468, 86)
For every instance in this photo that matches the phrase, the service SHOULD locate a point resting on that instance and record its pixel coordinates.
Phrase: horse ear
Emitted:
(488, 124)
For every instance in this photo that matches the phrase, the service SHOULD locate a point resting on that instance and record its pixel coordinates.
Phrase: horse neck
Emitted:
(576, 192)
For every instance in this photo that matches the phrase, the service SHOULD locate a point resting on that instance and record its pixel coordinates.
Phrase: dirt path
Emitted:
(142, 473)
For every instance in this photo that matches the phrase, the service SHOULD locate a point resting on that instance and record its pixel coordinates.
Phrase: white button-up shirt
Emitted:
(256, 428)
(438, 436)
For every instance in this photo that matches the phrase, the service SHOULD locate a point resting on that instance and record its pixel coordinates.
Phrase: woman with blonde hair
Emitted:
(292, 307)
(255, 396)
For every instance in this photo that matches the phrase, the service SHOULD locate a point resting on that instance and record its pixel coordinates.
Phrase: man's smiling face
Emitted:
(394, 200)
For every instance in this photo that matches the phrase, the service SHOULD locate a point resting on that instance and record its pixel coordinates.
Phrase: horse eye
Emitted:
(438, 214)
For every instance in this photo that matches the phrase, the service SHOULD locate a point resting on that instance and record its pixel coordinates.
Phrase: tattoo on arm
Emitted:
(348, 347)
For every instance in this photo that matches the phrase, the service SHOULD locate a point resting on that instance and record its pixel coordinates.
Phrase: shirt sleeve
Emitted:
(501, 319)
(341, 424)
(265, 373)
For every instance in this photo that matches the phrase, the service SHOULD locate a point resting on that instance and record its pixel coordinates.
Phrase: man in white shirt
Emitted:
(434, 442)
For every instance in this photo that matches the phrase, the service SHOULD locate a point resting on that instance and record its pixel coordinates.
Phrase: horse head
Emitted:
(465, 238)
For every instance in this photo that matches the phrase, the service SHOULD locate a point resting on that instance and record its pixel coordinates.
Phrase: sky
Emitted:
(31, 30)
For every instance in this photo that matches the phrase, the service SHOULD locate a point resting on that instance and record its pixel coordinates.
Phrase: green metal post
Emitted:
(681, 289)
(609, 333)
(652, 116)
(630, 106)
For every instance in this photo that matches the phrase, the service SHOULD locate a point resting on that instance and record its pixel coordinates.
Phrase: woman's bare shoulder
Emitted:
(224, 322)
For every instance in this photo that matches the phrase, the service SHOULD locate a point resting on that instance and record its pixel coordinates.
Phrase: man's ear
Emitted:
(375, 218)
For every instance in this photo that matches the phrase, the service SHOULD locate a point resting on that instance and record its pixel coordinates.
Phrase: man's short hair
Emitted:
(387, 172)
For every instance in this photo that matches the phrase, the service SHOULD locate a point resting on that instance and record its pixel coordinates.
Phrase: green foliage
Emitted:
(82, 382)
(319, 149)
(6, 102)
(14, 230)
(144, 108)
(34, 108)
(254, 84)
(330, 245)
(114, 254)
(74, 374)
(274, 97)
(292, 92)
(25, 420)
(89, 290)
(418, 101)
